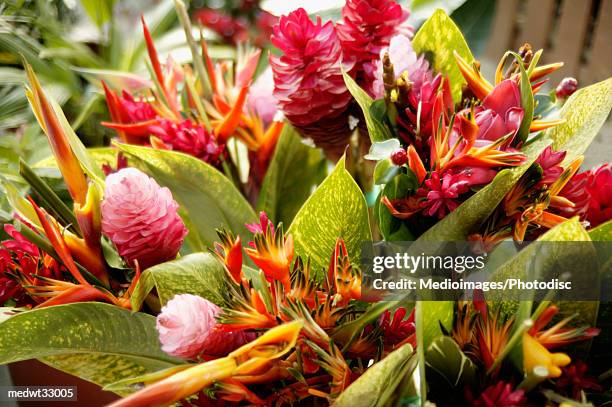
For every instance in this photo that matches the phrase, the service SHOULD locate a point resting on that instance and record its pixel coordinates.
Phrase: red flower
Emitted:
(19, 256)
(599, 185)
(498, 395)
(549, 160)
(501, 112)
(308, 82)
(190, 138)
(574, 380)
(397, 330)
(367, 27)
(441, 193)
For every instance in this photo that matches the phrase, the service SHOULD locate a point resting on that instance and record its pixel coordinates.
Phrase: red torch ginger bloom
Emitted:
(501, 112)
(549, 160)
(308, 82)
(367, 27)
(141, 218)
(190, 138)
(188, 328)
(441, 193)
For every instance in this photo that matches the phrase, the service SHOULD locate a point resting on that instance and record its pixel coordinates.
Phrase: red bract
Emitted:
(499, 395)
(575, 380)
(549, 160)
(308, 79)
(599, 186)
(501, 112)
(188, 137)
(19, 257)
(366, 29)
(398, 331)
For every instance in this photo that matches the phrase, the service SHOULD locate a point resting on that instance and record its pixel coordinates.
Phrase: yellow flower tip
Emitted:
(539, 125)
(536, 356)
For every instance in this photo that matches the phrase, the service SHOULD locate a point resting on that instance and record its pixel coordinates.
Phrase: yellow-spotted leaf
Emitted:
(336, 209)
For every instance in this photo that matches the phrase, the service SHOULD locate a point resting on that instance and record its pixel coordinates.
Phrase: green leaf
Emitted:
(295, 169)
(585, 112)
(377, 130)
(438, 38)
(378, 383)
(198, 274)
(336, 209)
(474, 18)
(208, 199)
(99, 342)
(420, 10)
(469, 215)
(602, 232)
(527, 103)
(446, 358)
(384, 171)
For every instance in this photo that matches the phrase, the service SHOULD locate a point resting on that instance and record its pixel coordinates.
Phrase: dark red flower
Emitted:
(566, 88)
(575, 379)
(396, 329)
(501, 394)
(599, 185)
(549, 160)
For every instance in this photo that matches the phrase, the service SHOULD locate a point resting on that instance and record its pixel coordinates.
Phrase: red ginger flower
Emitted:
(574, 380)
(308, 82)
(367, 27)
(188, 328)
(600, 188)
(141, 218)
(398, 331)
(190, 138)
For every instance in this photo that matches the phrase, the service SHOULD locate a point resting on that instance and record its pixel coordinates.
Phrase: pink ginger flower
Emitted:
(261, 98)
(262, 226)
(188, 329)
(442, 193)
(141, 218)
(404, 59)
(134, 111)
(366, 28)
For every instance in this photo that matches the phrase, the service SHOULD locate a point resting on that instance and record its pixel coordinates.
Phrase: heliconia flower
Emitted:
(566, 88)
(308, 82)
(441, 193)
(404, 59)
(574, 381)
(599, 185)
(188, 328)
(230, 252)
(261, 98)
(558, 335)
(141, 218)
(367, 27)
(501, 112)
(501, 394)
(190, 138)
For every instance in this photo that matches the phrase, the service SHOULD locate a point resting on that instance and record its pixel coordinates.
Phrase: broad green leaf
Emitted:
(96, 341)
(585, 112)
(420, 10)
(602, 232)
(336, 209)
(377, 384)
(209, 200)
(384, 171)
(474, 18)
(527, 103)
(438, 38)
(377, 130)
(198, 274)
(446, 358)
(295, 169)
(103, 369)
(99, 156)
(469, 215)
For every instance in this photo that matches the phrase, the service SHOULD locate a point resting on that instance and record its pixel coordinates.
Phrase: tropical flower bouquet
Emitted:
(211, 254)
